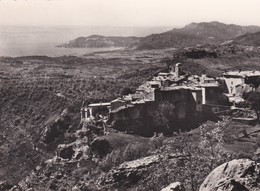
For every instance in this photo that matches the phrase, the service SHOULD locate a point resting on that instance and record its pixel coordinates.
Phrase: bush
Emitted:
(157, 142)
(199, 157)
(165, 115)
(135, 151)
(112, 159)
(130, 152)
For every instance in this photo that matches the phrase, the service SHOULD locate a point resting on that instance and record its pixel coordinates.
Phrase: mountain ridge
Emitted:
(192, 34)
(195, 34)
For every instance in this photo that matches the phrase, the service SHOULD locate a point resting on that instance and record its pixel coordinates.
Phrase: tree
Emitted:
(254, 99)
(197, 158)
(164, 115)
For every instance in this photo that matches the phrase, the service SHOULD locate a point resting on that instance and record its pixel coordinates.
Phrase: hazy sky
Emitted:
(128, 12)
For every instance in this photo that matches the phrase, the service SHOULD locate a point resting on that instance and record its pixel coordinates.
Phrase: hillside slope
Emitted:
(35, 90)
(248, 39)
(190, 35)
(194, 34)
(98, 41)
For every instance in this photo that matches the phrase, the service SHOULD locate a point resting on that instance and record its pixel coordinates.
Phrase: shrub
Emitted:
(199, 157)
(130, 152)
(165, 115)
(135, 151)
(156, 142)
(112, 159)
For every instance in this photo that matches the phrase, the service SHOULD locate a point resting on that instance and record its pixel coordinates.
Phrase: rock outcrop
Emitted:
(131, 172)
(74, 151)
(176, 186)
(57, 127)
(238, 174)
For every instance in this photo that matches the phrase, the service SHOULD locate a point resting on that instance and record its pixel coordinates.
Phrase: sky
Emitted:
(139, 13)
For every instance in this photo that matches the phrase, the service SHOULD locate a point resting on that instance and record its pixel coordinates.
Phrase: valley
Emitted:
(46, 146)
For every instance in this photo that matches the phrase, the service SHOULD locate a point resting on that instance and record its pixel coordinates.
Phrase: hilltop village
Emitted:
(187, 100)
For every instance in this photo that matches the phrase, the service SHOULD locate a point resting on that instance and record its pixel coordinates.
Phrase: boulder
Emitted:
(140, 163)
(176, 186)
(131, 171)
(238, 174)
(57, 127)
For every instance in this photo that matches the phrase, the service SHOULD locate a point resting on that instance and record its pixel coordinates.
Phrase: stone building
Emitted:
(239, 82)
(194, 98)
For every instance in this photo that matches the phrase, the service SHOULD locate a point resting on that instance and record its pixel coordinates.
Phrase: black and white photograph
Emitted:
(129, 95)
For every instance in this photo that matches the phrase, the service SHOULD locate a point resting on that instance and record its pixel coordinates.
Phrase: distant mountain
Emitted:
(98, 41)
(194, 34)
(188, 36)
(248, 39)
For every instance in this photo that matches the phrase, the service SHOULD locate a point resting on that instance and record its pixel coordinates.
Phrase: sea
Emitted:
(23, 40)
